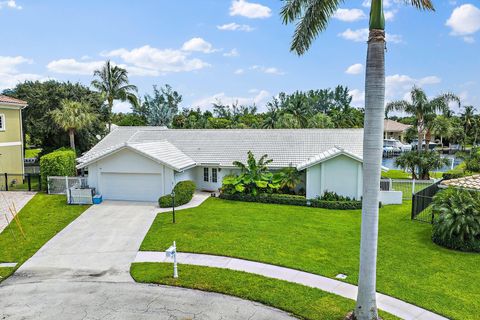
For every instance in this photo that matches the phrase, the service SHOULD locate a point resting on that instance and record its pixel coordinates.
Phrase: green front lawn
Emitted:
(302, 301)
(396, 174)
(326, 242)
(41, 218)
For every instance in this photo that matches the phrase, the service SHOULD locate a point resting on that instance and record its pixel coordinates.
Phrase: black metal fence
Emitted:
(421, 201)
(20, 182)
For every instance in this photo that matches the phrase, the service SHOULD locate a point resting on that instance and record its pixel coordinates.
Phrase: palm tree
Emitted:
(423, 110)
(113, 83)
(72, 116)
(272, 115)
(299, 109)
(441, 126)
(313, 17)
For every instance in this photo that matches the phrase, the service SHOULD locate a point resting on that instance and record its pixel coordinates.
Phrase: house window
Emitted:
(205, 174)
(214, 174)
(2, 122)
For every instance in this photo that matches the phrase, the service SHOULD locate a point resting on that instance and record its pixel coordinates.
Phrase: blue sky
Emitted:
(237, 50)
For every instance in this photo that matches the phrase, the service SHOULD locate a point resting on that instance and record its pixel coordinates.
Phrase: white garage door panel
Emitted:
(131, 186)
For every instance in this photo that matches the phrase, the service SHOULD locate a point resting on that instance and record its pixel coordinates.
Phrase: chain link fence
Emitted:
(60, 185)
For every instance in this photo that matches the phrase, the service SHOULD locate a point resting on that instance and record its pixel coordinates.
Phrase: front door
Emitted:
(211, 179)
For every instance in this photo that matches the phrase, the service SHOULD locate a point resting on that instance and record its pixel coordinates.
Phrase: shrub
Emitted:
(457, 219)
(293, 200)
(58, 163)
(333, 196)
(184, 191)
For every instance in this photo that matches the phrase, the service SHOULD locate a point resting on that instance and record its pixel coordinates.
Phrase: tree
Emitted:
(441, 126)
(71, 117)
(162, 107)
(43, 98)
(290, 178)
(297, 107)
(320, 121)
(423, 109)
(112, 82)
(313, 17)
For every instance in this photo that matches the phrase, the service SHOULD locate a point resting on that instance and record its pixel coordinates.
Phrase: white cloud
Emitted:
(354, 69)
(269, 70)
(358, 97)
(235, 27)
(11, 4)
(198, 44)
(259, 98)
(9, 64)
(361, 35)
(249, 9)
(349, 15)
(239, 71)
(390, 15)
(231, 53)
(464, 22)
(398, 86)
(157, 61)
(10, 76)
(72, 66)
(124, 107)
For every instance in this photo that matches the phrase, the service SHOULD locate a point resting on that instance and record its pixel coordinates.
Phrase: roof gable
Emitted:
(9, 101)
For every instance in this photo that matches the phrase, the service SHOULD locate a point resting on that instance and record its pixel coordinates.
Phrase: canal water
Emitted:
(390, 162)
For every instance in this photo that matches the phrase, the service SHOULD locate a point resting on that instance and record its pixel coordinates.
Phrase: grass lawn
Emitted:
(302, 301)
(32, 153)
(396, 174)
(42, 218)
(410, 266)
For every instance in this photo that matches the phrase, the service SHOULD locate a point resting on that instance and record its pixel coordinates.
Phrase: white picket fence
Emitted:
(60, 185)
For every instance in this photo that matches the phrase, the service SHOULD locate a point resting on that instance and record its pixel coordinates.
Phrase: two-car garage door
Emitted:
(131, 186)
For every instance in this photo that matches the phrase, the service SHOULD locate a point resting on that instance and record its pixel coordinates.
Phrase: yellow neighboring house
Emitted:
(11, 135)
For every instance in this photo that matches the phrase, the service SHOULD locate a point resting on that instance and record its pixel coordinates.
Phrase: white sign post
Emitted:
(172, 253)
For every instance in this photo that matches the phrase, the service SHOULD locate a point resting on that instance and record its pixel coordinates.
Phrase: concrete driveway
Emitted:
(83, 273)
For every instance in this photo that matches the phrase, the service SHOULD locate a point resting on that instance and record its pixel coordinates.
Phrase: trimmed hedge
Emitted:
(184, 191)
(293, 200)
(58, 163)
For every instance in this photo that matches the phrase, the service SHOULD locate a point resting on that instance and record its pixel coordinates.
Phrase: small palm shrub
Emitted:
(184, 191)
(333, 196)
(457, 219)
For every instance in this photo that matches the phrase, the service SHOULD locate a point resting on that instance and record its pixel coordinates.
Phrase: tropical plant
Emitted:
(457, 219)
(442, 127)
(420, 164)
(408, 162)
(112, 82)
(423, 109)
(298, 108)
(321, 121)
(254, 177)
(471, 160)
(312, 17)
(71, 117)
(160, 109)
(289, 179)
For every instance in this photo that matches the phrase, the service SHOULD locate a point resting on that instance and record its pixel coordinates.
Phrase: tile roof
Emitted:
(9, 100)
(470, 182)
(287, 147)
(394, 126)
(160, 151)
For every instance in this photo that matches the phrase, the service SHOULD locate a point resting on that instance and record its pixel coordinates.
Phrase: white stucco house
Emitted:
(144, 163)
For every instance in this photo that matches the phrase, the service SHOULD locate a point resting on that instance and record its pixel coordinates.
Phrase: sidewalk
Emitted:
(386, 303)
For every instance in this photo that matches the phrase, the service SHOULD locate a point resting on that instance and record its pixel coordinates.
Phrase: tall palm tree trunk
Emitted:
(71, 134)
(366, 307)
(420, 137)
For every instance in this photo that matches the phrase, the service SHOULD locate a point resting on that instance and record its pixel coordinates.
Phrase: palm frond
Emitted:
(400, 105)
(312, 16)
(421, 4)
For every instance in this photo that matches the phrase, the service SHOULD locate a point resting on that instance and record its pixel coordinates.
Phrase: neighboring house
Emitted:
(11, 135)
(469, 183)
(394, 130)
(143, 163)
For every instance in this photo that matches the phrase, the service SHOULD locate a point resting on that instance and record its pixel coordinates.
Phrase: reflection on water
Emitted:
(390, 162)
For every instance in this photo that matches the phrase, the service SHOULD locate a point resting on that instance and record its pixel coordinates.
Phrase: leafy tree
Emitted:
(43, 98)
(311, 18)
(457, 222)
(71, 117)
(297, 106)
(162, 107)
(320, 121)
(408, 161)
(471, 160)
(423, 109)
(112, 82)
(129, 120)
(218, 123)
(273, 114)
(420, 164)
(288, 121)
